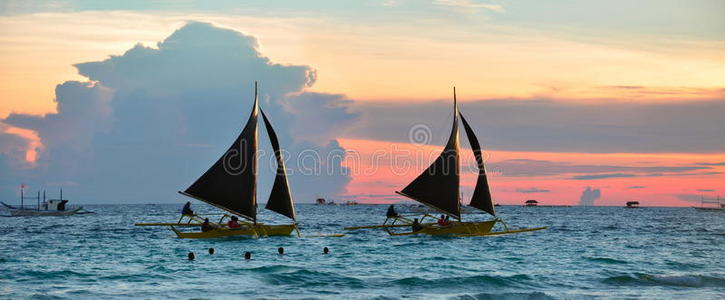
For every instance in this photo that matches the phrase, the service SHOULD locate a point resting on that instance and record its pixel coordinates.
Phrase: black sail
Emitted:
(438, 186)
(481, 198)
(230, 183)
(280, 199)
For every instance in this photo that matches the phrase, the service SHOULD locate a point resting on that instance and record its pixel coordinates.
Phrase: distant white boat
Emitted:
(711, 204)
(52, 207)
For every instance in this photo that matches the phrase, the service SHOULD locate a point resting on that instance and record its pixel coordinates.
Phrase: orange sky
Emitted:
(38, 51)
(374, 173)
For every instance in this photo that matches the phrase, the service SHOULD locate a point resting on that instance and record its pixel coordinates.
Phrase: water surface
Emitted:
(587, 252)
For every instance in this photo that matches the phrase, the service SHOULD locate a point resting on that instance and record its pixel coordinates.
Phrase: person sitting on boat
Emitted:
(187, 209)
(416, 225)
(206, 226)
(391, 211)
(442, 221)
(233, 223)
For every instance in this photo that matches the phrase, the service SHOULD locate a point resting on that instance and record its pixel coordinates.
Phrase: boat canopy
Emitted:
(230, 183)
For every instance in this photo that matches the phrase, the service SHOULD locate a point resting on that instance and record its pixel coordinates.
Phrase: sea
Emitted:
(586, 253)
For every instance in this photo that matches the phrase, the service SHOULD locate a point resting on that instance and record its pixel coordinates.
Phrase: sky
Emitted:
(575, 102)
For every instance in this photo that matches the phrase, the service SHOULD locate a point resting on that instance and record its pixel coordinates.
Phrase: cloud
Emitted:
(469, 6)
(532, 167)
(711, 164)
(705, 190)
(602, 176)
(304, 109)
(532, 190)
(689, 197)
(588, 196)
(152, 120)
(636, 187)
(693, 126)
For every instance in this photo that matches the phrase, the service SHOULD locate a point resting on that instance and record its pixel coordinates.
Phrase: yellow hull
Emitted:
(258, 230)
(455, 228)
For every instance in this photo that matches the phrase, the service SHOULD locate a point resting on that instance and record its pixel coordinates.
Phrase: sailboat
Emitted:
(438, 187)
(231, 184)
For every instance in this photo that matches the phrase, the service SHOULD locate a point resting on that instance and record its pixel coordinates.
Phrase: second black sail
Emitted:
(280, 199)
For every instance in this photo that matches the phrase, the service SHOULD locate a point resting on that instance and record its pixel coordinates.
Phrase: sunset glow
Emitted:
(662, 87)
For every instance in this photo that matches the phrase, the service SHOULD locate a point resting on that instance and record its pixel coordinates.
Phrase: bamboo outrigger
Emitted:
(231, 184)
(438, 187)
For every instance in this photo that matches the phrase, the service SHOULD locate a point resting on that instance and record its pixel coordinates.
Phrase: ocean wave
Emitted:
(506, 296)
(667, 280)
(606, 260)
(478, 280)
(307, 278)
(46, 297)
(136, 277)
(51, 275)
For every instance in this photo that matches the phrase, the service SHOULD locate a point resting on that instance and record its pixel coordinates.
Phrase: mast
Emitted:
(439, 185)
(280, 199)
(231, 182)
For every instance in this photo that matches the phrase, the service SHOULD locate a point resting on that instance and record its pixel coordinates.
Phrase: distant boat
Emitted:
(320, 201)
(52, 207)
(531, 203)
(438, 187)
(711, 204)
(231, 184)
(351, 202)
(632, 204)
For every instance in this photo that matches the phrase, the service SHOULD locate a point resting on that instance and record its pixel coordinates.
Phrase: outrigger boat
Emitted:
(231, 184)
(438, 187)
